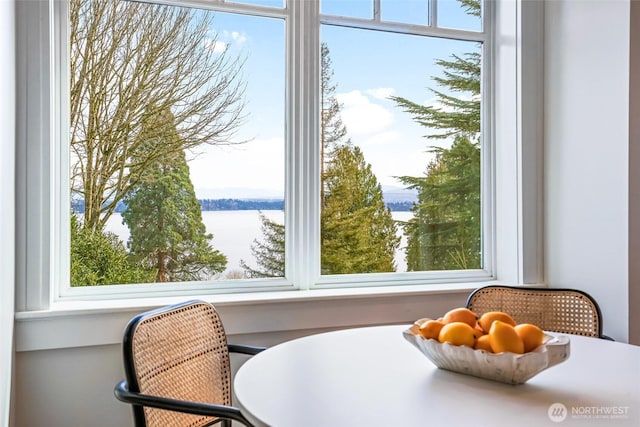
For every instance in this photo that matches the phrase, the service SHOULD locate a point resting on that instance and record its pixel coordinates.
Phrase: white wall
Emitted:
(586, 152)
(634, 175)
(7, 186)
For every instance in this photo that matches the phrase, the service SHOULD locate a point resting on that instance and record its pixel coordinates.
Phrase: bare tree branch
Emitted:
(126, 57)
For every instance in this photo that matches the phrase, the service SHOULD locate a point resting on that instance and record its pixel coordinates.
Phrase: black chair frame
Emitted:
(128, 390)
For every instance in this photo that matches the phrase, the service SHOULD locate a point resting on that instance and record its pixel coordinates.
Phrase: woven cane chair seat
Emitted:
(177, 358)
(558, 310)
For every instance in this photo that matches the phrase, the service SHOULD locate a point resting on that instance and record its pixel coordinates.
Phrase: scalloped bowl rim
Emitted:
(505, 367)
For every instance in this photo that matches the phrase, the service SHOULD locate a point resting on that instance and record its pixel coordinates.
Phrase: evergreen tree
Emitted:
(269, 254)
(163, 213)
(445, 232)
(332, 129)
(455, 116)
(358, 232)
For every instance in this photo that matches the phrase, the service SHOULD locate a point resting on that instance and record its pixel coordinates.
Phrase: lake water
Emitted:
(234, 232)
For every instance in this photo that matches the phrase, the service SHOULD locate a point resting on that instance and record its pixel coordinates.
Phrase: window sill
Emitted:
(91, 323)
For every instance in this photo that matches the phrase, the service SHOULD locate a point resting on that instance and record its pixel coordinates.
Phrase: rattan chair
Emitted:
(553, 309)
(177, 368)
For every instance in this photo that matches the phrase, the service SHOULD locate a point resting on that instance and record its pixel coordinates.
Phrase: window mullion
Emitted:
(303, 174)
(488, 152)
(376, 10)
(433, 13)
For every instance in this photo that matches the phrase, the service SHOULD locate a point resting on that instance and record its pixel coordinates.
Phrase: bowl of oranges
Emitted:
(491, 346)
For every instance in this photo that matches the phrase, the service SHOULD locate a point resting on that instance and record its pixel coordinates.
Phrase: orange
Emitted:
(431, 329)
(489, 317)
(461, 314)
(482, 343)
(479, 330)
(532, 336)
(421, 322)
(457, 333)
(503, 337)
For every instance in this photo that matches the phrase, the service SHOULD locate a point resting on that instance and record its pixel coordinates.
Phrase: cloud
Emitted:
(258, 163)
(220, 42)
(236, 36)
(384, 137)
(215, 45)
(361, 115)
(382, 92)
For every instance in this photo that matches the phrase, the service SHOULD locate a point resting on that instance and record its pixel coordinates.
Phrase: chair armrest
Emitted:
(123, 394)
(245, 349)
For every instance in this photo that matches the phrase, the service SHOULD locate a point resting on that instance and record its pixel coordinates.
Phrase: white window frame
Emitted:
(487, 189)
(512, 195)
(7, 215)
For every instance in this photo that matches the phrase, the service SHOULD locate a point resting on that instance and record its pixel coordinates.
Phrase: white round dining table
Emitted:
(372, 376)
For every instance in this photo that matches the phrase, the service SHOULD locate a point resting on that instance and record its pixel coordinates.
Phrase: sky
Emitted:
(369, 66)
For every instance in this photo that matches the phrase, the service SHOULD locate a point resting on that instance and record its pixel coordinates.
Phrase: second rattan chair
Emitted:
(553, 309)
(177, 368)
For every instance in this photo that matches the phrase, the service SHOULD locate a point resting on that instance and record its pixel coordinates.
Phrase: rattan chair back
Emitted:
(181, 353)
(558, 310)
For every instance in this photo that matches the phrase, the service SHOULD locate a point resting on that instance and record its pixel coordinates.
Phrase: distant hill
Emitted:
(241, 205)
(398, 201)
(400, 206)
(399, 194)
(270, 205)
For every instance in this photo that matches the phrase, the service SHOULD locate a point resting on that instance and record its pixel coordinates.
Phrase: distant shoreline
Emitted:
(247, 205)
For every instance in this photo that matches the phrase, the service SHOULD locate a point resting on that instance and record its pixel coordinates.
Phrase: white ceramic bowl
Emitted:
(508, 368)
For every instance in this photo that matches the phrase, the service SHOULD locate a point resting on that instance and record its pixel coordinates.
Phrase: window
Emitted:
(177, 140)
(321, 106)
(401, 128)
